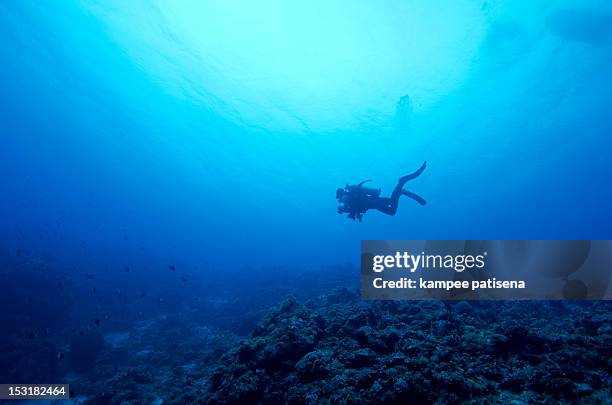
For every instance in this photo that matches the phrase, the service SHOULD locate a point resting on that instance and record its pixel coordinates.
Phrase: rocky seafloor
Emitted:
(335, 348)
(243, 338)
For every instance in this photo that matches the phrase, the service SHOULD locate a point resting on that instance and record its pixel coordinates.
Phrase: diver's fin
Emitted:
(415, 197)
(413, 175)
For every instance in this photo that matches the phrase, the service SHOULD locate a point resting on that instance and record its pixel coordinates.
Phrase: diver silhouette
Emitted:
(357, 199)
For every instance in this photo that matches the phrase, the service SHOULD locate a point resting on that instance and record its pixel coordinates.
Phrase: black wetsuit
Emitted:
(356, 203)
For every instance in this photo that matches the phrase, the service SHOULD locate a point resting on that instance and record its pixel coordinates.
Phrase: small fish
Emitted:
(97, 322)
(184, 279)
(143, 294)
(90, 276)
(30, 335)
(60, 355)
(172, 268)
(127, 269)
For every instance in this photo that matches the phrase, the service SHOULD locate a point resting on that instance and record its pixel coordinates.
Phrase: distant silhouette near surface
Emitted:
(357, 199)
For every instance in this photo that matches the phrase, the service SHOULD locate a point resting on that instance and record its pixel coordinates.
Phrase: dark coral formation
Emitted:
(346, 351)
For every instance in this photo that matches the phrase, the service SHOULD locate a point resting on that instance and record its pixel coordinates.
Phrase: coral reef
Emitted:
(323, 345)
(347, 351)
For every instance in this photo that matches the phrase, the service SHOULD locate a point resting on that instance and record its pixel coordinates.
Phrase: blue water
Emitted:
(217, 132)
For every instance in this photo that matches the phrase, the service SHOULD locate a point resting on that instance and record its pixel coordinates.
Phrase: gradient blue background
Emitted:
(216, 132)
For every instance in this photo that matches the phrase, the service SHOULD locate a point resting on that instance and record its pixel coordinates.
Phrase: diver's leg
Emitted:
(389, 205)
(392, 202)
(397, 191)
(399, 188)
(415, 197)
(414, 175)
(386, 205)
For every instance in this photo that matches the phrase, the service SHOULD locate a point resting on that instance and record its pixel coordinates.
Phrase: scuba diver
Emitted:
(357, 199)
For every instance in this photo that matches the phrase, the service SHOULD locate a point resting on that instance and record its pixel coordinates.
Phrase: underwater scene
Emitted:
(185, 186)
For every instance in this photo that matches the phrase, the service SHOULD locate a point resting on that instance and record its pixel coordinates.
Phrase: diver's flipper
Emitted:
(414, 175)
(415, 197)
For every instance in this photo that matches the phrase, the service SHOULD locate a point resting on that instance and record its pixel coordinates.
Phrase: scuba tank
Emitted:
(359, 188)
